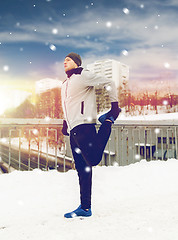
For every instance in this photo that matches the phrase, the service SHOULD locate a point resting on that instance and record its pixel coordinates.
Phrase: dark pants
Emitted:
(87, 148)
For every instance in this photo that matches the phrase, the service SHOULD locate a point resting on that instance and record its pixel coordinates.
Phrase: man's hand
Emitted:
(64, 128)
(112, 114)
(115, 110)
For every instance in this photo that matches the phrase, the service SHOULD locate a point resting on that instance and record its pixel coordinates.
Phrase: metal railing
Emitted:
(132, 141)
(26, 144)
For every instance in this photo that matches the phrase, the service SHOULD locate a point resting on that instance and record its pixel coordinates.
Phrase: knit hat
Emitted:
(76, 58)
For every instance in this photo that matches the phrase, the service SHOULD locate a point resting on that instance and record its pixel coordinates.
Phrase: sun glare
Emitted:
(10, 98)
(5, 101)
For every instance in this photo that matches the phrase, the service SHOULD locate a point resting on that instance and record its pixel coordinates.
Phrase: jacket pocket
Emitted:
(82, 107)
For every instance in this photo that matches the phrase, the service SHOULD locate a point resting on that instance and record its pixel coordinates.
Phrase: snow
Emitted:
(6, 68)
(135, 202)
(126, 11)
(157, 117)
(52, 47)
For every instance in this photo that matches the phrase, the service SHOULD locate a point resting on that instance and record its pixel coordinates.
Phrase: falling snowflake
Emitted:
(6, 68)
(55, 31)
(137, 157)
(142, 6)
(89, 119)
(108, 88)
(92, 4)
(126, 11)
(21, 49)
(156, 27)
(35, 131)
(165, 102)
(77, 150)
(47, 119)
(52, 47)
(115, 164)
(17, 24)
(157, 130)
(125, 52)
(166, 65)
(109, 24)
(87, 169)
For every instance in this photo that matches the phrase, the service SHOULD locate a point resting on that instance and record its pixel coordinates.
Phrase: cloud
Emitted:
(148, 34)
(89, 30)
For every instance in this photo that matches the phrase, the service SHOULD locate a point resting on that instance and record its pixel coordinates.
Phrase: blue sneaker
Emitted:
(103, 117)
(79, 212)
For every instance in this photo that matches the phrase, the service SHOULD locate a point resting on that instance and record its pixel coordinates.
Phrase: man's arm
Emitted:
(92, 79)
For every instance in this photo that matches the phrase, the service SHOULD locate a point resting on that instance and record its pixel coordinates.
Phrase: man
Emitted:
(79, 106)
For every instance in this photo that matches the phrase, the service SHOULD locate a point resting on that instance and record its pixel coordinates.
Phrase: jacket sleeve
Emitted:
(96, 80)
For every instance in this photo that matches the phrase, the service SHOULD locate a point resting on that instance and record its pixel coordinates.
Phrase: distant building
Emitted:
(112, 69)
(48, 95)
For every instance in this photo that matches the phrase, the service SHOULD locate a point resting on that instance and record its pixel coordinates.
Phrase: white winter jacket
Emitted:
(78, 97)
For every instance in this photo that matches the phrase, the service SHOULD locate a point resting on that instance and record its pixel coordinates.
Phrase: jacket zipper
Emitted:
(82, 107)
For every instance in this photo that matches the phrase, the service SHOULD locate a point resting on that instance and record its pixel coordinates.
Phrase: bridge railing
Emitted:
(132, 141)
(26, 144)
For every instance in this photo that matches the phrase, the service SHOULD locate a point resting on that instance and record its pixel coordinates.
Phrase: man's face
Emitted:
(69, 64)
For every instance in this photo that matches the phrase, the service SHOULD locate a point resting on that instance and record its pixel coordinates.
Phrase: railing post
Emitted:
(145, 142)
(176, 142)
(47, 150)
(38, 151)
(9, 150)
(29, 149)
(64, 164)
(20, 149)
(0, 146)
(157, 131)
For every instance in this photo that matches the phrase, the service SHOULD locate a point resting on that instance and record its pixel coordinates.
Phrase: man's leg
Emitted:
(84, 173)
(91, 144)
(103, 135)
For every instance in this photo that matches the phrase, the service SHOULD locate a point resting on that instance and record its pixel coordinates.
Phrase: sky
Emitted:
(36, 35)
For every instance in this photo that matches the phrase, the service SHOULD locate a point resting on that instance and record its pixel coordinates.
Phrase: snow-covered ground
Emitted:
(135, 202)
(161, 116)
